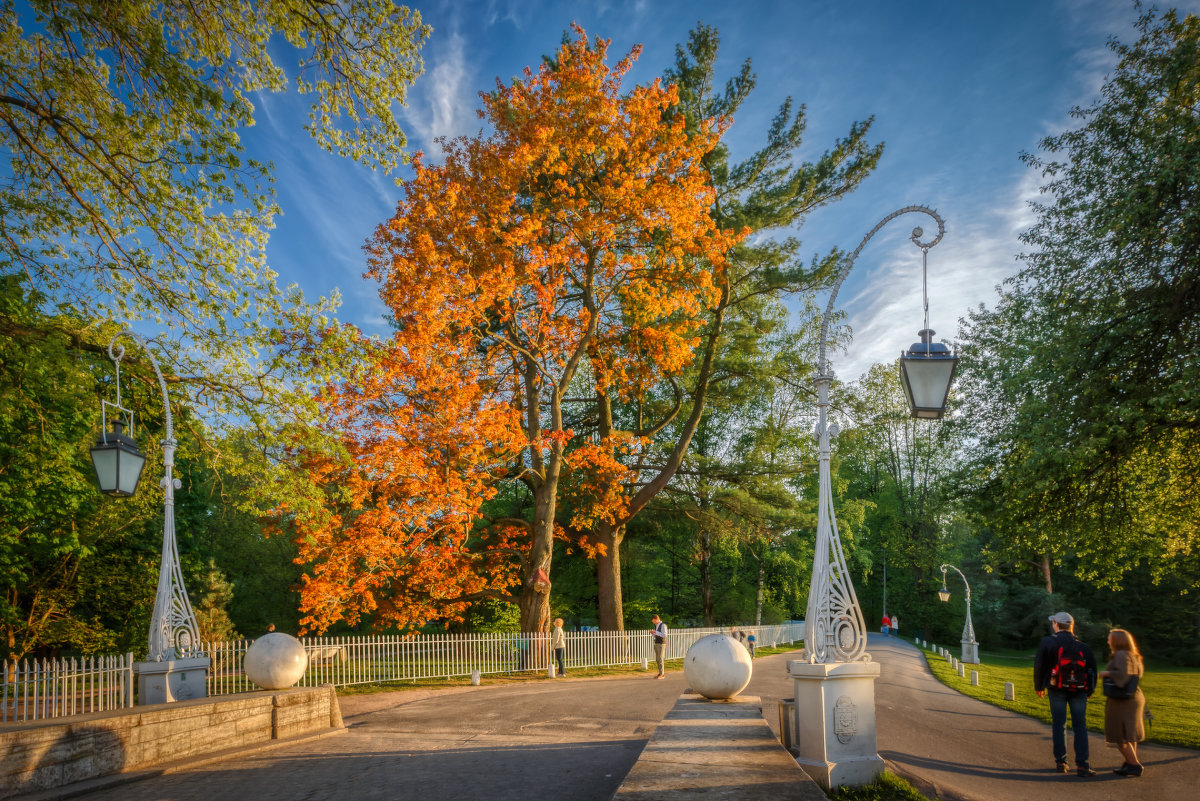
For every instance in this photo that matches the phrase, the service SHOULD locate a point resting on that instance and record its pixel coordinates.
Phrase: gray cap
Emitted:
(1062, 619)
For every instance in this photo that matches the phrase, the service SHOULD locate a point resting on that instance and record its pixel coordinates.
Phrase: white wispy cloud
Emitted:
(443, 101)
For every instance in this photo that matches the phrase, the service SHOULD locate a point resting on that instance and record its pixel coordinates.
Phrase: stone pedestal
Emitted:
(970, 652)
(834, 722)
(172, 680)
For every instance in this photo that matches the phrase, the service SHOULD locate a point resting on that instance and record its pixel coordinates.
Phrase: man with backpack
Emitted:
(1065, 669)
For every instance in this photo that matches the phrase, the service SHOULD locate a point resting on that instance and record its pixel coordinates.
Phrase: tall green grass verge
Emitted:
(1172, 694)
(888, 787)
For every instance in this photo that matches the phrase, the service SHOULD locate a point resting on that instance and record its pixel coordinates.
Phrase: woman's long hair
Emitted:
(1122, 640)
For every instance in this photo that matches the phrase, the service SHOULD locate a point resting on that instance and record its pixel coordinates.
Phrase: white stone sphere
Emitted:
(718, 666)
(275, 661)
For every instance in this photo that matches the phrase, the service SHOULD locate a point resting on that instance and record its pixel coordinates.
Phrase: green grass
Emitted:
(888, 787)
(1172, 694)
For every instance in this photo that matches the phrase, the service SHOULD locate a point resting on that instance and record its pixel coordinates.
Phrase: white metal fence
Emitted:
(35, 689)
(38, 689)
(343, 661)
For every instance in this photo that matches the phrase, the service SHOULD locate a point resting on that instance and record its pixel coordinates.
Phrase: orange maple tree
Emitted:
(572, 245)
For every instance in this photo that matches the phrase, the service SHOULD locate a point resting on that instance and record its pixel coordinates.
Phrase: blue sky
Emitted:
(957, 89)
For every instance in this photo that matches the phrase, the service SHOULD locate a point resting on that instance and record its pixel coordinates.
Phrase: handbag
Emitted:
(1111, 690)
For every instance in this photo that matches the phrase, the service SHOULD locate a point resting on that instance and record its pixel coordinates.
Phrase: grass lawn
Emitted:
(1172, 694)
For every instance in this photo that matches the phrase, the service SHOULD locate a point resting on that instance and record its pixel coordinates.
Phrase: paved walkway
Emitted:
(576, 739)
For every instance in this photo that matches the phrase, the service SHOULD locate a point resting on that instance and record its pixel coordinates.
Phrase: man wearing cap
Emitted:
(1051, 677)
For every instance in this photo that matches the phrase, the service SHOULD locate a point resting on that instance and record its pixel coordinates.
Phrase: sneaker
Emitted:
(660, 676)
(1061, 767)
(1084, 771)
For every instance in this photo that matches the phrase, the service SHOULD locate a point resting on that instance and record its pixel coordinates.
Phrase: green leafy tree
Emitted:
(127, 194)
(51, 516)
(1082, 390)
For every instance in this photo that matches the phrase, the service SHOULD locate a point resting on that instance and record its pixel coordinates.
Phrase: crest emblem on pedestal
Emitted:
(845, 719)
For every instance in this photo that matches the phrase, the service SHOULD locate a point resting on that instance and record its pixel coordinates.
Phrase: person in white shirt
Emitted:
(558, 641)
(660, 644)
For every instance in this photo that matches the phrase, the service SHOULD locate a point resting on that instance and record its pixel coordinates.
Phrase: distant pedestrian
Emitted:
(751, 641)
(895, 625)
(558, 641)
(1125, 703)
(660, 645)
(1065, 669)
(887, 624)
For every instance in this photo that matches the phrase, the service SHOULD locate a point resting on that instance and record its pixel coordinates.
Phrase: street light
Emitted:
(837, 742)
(176, 667)
(115, 456)
(927, 367)
(970, 648)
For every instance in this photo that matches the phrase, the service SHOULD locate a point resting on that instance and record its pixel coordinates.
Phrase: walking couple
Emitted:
(1065, 670)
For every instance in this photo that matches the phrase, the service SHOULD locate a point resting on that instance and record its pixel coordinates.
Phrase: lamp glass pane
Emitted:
(928, 381)
(130, 471)
(104, 460)
(944, 594)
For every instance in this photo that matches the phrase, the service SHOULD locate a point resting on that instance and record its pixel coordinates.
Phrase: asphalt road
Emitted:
(575, 739)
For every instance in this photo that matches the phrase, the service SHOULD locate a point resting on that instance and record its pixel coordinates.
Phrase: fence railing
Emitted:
(35, 689)
(344, 661)
(39, 689)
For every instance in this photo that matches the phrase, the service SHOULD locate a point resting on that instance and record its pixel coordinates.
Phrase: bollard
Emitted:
(1010, 692)
(644, 665)
(475, 677)
(962, 670)
(550, 671)
(974, 678)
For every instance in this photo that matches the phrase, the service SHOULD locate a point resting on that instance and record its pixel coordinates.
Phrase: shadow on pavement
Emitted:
(587, 771)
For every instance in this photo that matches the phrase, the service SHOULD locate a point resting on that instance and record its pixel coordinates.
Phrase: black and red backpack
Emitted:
(1070, 672)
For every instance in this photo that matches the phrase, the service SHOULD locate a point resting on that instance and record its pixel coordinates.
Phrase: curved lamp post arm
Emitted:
(834, 626)
(960, 573)
(173, 630)
(916, 235)
(968, 635)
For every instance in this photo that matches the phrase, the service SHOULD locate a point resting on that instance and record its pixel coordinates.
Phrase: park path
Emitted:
(576, 739)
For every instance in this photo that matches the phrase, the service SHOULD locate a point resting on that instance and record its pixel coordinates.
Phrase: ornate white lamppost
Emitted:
(175, 668)
(970, 648)
(835, 686)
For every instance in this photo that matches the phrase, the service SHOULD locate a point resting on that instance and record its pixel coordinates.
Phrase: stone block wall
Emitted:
(47, 754)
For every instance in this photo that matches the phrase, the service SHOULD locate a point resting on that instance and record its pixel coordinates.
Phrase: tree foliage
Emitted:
(572, 240)
(1080, 397)
(127, 194)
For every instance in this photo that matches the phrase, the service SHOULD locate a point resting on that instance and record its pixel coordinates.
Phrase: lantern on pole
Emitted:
(927, 367)
(115, 456)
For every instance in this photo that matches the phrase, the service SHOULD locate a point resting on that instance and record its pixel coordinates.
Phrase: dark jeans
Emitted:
(1059, 703)
(558, 657)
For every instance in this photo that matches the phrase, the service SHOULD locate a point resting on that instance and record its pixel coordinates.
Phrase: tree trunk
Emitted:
(706, 588)
(535, 600)
(758, 595)
(1046, 573)
(608, 578)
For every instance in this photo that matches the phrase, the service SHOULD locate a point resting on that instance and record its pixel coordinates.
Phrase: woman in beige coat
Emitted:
(1123, 716)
